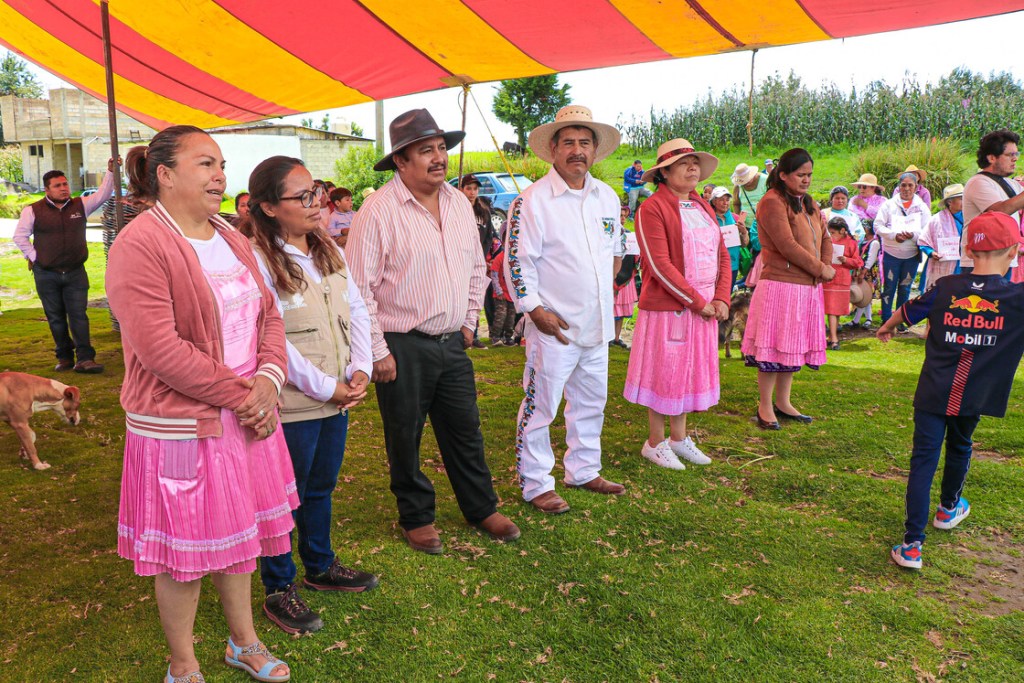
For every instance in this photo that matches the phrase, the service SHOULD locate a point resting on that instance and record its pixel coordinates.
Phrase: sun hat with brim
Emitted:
(574, 115)
(743, 174)
(861, 293)
(868, 179)
(411, 127)
(672, 151)
(920, 173)
(952, 191)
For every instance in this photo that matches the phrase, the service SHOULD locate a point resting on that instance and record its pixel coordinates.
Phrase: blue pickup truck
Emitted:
(499, 189)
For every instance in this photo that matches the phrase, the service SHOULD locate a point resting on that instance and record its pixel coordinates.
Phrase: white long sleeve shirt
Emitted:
(27, 220)
(306, 376)
(562, 245)
(893, 219)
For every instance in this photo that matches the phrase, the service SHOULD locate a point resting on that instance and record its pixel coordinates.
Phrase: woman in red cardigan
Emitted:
(786, 312)
(673, 368)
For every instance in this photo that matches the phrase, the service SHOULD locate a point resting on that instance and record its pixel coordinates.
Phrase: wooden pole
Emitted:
(750, 106)
(112, 115)
(462, 147)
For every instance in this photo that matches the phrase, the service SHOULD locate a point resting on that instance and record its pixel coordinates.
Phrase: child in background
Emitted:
(845, 260)
(503, 332)
(341, 217)
(625, 290)
(975, 335)
(869, 247)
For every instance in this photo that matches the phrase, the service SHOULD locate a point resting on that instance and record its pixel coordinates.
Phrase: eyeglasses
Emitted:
(308, 197)
(1012, 155)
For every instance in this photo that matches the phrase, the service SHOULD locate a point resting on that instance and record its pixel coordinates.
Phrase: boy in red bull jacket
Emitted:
(974, 344)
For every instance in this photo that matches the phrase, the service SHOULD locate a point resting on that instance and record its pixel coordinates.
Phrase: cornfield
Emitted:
(963, 106)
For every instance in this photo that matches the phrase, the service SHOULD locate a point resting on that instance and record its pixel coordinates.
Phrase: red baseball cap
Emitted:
(992, 231)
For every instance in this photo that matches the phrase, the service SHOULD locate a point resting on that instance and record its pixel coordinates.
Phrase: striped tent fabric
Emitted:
(219, 62)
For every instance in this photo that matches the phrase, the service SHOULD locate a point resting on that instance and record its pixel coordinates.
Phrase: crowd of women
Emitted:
(203, 312)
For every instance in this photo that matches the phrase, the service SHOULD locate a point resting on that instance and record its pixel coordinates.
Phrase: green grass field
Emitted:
(770, 564)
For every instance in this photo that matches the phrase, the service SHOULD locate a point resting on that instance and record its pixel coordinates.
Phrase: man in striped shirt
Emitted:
(415, 253)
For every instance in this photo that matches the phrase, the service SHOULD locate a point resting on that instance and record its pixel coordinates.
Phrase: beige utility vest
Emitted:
(316, 323)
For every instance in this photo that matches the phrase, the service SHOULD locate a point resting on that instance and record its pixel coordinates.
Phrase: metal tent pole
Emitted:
(112, 115)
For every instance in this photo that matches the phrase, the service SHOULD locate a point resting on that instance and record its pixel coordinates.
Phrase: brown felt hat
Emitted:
(413, 126)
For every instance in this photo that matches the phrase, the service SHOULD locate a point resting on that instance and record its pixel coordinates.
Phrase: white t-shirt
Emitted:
(981, 192)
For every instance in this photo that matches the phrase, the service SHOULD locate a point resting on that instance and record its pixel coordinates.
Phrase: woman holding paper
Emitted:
(845, 260)
(899, 223)
(673, 369)
(784, 324)
(732, 234)
(940, 240)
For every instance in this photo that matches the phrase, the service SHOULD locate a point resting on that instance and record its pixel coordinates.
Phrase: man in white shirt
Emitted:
(565, 245)
(899, 222)
(990, 189)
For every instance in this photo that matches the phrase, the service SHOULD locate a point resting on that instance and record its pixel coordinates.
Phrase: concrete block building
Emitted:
(69, 131)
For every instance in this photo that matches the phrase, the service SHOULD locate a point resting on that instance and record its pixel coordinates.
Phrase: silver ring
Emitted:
(263, 413)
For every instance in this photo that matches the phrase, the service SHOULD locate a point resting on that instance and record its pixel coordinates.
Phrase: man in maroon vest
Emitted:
(56, 256)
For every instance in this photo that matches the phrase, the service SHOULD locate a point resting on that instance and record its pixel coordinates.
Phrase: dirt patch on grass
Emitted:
(991, 456)
(997, 586)
(891, 474)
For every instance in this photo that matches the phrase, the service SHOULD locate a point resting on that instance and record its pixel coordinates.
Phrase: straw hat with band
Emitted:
(861, 293)
(920, 173)
(672, 151)
(574, 115)
(743, 174)
(411, 127)
(952, 191)
(869, 180)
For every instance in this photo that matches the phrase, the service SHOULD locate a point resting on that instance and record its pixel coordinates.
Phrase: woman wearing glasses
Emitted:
(207, 484)
(329, 365)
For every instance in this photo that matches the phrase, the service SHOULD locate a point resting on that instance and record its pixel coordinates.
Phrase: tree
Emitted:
(325, 124)
(17, 80)
(357, 130)
(525, 103)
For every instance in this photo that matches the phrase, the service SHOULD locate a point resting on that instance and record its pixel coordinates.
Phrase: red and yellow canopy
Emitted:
(218, 62)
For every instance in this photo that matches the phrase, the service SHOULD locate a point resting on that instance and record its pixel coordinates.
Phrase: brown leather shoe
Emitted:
(550, 502)
(602, 485)
(64, 365)
(89, 367)
(424, 539)
(499, 527)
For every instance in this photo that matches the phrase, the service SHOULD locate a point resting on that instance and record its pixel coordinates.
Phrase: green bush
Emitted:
(941, 158)
(355, 171)
(10, 163)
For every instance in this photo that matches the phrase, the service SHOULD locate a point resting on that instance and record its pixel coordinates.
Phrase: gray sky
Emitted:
(621, 93)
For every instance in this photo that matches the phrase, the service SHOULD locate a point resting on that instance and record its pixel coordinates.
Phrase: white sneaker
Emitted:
(688, 451)
(662, 456)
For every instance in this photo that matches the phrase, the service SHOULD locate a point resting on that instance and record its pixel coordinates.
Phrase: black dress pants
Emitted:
(434, 379)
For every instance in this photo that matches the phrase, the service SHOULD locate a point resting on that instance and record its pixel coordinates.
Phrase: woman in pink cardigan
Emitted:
(673, 368)
(207, 484)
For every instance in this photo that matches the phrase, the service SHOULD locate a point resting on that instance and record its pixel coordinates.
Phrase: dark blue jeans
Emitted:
(899, 275)
(930, 429)
(317, 448)
(65, 297)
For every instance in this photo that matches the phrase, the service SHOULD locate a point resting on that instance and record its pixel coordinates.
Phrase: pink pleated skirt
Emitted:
(201, 506)
(625, 301)
(673, 365)
(785, 326)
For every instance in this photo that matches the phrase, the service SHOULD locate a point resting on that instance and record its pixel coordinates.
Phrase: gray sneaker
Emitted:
(290, 612)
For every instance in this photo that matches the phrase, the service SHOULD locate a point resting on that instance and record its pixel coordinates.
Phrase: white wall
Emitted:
(243, 152)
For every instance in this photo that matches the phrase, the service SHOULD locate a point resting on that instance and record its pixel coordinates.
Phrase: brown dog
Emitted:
(737, 320)
(22, 395)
